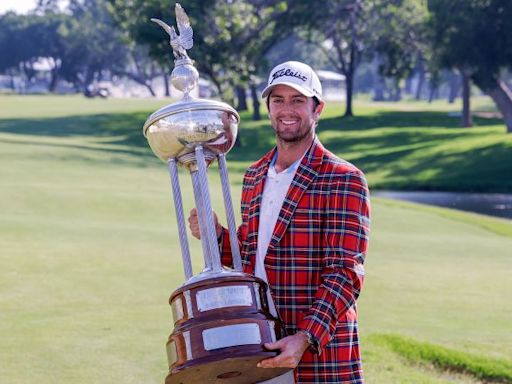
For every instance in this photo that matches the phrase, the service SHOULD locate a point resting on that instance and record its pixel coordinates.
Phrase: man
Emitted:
(305, 227)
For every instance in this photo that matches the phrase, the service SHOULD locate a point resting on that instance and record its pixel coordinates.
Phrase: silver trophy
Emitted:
(221, 315)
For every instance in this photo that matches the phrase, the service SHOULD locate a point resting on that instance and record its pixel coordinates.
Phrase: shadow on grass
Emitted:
(401, 119)
(121, 150)
(479, 170)
(256, 138)
(406, 146)
(402, 145)
(119, 133)
(124, 128)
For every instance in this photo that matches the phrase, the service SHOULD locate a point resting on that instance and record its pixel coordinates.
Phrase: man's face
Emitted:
(292, 115)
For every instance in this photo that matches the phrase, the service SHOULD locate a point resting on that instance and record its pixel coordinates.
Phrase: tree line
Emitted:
(236, 39)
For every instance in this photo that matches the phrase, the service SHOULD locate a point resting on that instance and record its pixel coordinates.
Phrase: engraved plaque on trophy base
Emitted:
(221, 324)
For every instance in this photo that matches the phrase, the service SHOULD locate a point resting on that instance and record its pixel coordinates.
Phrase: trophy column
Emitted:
(178, 206)
(221, 315)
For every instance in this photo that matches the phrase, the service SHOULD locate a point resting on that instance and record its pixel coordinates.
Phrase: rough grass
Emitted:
(481, 367)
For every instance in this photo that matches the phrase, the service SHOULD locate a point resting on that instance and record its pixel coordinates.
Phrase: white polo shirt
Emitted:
(274, 193)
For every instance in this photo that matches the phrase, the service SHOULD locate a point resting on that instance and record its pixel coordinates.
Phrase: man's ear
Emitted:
(318, 110)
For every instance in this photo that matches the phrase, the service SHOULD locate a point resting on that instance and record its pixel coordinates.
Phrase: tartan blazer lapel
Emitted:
(306, 173)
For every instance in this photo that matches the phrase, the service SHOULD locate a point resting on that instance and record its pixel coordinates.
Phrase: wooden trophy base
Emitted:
(221, 324)
(232, 368)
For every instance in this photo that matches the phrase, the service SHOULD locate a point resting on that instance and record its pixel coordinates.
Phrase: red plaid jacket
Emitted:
(314, 262)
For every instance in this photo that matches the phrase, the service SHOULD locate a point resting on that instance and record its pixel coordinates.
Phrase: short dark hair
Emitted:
(316, 103)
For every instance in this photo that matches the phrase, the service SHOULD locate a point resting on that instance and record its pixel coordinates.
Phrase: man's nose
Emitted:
(287, 106)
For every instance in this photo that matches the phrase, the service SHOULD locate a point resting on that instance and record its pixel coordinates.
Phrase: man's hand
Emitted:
(292, 348)
(193, 222)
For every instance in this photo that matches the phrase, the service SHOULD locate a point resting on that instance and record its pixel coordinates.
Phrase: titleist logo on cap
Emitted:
(287, 72)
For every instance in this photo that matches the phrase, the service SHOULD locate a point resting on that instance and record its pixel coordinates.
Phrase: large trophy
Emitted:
(221, 315)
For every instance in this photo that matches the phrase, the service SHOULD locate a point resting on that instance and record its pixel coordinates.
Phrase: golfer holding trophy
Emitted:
(221, 315)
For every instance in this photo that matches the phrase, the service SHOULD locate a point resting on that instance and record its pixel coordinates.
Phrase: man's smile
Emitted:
(289, 122)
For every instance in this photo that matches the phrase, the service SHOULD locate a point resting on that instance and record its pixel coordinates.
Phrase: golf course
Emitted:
(89, 248)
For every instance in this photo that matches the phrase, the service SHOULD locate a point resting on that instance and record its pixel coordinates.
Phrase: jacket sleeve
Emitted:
(225, 248)
(345, 236)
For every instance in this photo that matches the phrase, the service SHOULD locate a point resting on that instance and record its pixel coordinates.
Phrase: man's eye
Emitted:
(298, 101)
(277, 101)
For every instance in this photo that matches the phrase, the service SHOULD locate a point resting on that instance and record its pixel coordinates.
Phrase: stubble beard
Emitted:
(297, 137)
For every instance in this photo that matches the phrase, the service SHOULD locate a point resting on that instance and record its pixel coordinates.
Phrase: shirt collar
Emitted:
(291, 169)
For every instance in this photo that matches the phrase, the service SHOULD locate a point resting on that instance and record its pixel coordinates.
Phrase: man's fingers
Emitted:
(280, 361)
(193, 223)
(291, 351)
(272, 346)
(274, 361)
(271, 362)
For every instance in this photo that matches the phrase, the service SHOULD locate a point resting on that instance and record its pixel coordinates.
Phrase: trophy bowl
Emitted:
(174, 130)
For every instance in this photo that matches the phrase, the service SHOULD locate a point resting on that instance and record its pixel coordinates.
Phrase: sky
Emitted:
(20, 6)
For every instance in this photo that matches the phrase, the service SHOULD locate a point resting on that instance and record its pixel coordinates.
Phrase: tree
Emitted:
(51, 42)
(25, 39)
(81, 44)
(385, 31)
(341, 34)
(17, 34)
(139, 67)
(93, 44)
(399, 38)
(474, 37)
(249, 30)
(231, 37)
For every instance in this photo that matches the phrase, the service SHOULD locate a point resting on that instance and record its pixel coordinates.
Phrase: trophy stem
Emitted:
(230, 214)
(208, 212)
(202, 220)
(178, 205)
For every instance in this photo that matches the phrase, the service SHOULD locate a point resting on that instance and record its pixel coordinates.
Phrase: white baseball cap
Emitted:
(297, 75)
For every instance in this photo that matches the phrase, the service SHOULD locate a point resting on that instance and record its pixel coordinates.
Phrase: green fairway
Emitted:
(89, 251)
